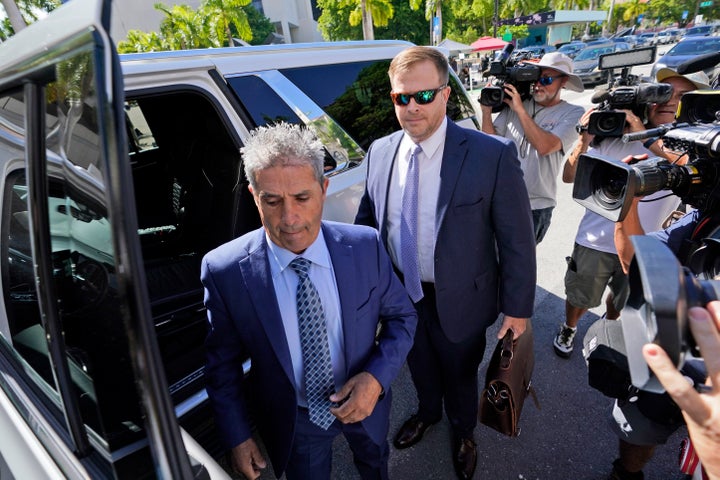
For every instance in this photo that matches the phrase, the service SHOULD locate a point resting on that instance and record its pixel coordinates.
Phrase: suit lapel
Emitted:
(386, 173)
(256, 273)
(343, 262)
(454, 154)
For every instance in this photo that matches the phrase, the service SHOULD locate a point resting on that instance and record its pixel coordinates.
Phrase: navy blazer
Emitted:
(485, 247)
(378, 328)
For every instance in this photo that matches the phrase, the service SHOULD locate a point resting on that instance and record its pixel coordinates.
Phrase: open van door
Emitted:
(82, 388)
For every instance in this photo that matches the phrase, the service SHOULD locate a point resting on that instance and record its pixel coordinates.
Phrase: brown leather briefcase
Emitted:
(507, 383)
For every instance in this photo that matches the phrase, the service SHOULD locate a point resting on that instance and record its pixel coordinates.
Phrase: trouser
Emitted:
(444, 371)
(311, 455)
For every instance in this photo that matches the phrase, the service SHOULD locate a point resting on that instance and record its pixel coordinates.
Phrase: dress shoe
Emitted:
(411, 432)
(465, 458)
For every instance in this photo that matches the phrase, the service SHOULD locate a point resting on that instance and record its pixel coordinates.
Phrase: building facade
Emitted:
(295, 20)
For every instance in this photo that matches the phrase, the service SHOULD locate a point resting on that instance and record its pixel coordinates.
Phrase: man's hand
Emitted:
(632, 121)
(247, 459)
(360, 393)
(517, 325)
(512, 98)
(701, 411)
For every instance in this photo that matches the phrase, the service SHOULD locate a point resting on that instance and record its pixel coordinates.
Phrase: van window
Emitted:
(82, 291)
(357, 96)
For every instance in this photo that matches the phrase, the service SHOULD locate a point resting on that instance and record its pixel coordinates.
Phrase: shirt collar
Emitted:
(429, 145)
(317, 253)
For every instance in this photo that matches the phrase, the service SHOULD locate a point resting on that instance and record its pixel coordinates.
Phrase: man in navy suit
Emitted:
(359, 304)
(475, 247)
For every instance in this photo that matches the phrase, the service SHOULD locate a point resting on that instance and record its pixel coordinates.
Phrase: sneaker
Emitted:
(563, 342)
(619, 473)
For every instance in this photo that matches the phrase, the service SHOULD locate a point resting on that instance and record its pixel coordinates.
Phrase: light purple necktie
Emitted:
(408, 228)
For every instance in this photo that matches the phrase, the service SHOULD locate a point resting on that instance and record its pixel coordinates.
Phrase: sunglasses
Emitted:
(545, 81)
(423, 97)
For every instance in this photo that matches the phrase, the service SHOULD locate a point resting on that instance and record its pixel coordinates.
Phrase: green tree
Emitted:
(433, 8)
(22, 13)
(260, 25)
(214, 24)
(221, 15)
(368, 13)
(632, 9)
(182, 28)
(138, 41)
(405, 24)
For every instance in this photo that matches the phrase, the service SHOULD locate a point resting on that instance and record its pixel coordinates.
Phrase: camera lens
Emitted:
(608, 187)
(492, 96)
(607, 124)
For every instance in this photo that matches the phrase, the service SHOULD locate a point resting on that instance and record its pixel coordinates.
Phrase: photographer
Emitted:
(701, 411)
(648, 420)
(631, 224)
(594, 263)
(542, 128)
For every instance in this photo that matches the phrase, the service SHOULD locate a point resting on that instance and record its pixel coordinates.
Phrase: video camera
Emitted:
(607, 186)
(662, 289)
(508, 70)
(623, 93)
(650, 316)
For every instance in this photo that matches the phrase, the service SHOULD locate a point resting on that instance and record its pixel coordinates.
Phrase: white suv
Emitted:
(118, 174)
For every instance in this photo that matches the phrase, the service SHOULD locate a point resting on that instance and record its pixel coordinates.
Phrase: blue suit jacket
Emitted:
(485, 247)
(245, 321)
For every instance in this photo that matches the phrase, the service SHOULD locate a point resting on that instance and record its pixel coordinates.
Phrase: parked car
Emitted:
(664, 37)
(598, 41)
(571, 49)
(685, 49)
(585, 63)
(533, 51)
(118, 175)
(675, 34)
(631, 40)
(651, 38)
(700, 30)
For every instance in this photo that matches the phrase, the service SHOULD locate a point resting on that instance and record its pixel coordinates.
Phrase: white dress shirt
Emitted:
(429, 162)
(285, 281)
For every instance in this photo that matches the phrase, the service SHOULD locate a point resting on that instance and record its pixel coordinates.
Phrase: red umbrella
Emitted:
(487, 43)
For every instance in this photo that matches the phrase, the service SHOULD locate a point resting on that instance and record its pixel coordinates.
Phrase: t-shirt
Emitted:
(540, 173)
(596, 231)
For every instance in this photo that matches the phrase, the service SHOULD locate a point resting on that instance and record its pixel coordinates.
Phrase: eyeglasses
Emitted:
(423, 97)
(545, 81)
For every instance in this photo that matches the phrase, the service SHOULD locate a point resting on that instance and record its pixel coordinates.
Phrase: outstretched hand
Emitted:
(701, 410)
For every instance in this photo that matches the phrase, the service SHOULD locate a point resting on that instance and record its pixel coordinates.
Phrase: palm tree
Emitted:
(370, 13)
(432, 8)
(18, 12)
(221, 15)
(632, 10)
(138, 41)
(13, 13)
(182, 27)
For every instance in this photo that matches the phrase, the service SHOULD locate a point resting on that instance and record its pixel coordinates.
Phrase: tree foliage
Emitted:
(214, 24)
(21, 13)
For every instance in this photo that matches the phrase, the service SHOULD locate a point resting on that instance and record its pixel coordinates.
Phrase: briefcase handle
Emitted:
(507, 350)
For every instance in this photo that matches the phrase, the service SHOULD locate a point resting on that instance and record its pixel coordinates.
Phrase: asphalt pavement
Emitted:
(568, 437)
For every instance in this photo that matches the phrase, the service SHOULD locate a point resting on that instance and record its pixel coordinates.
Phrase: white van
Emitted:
(118, 174)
